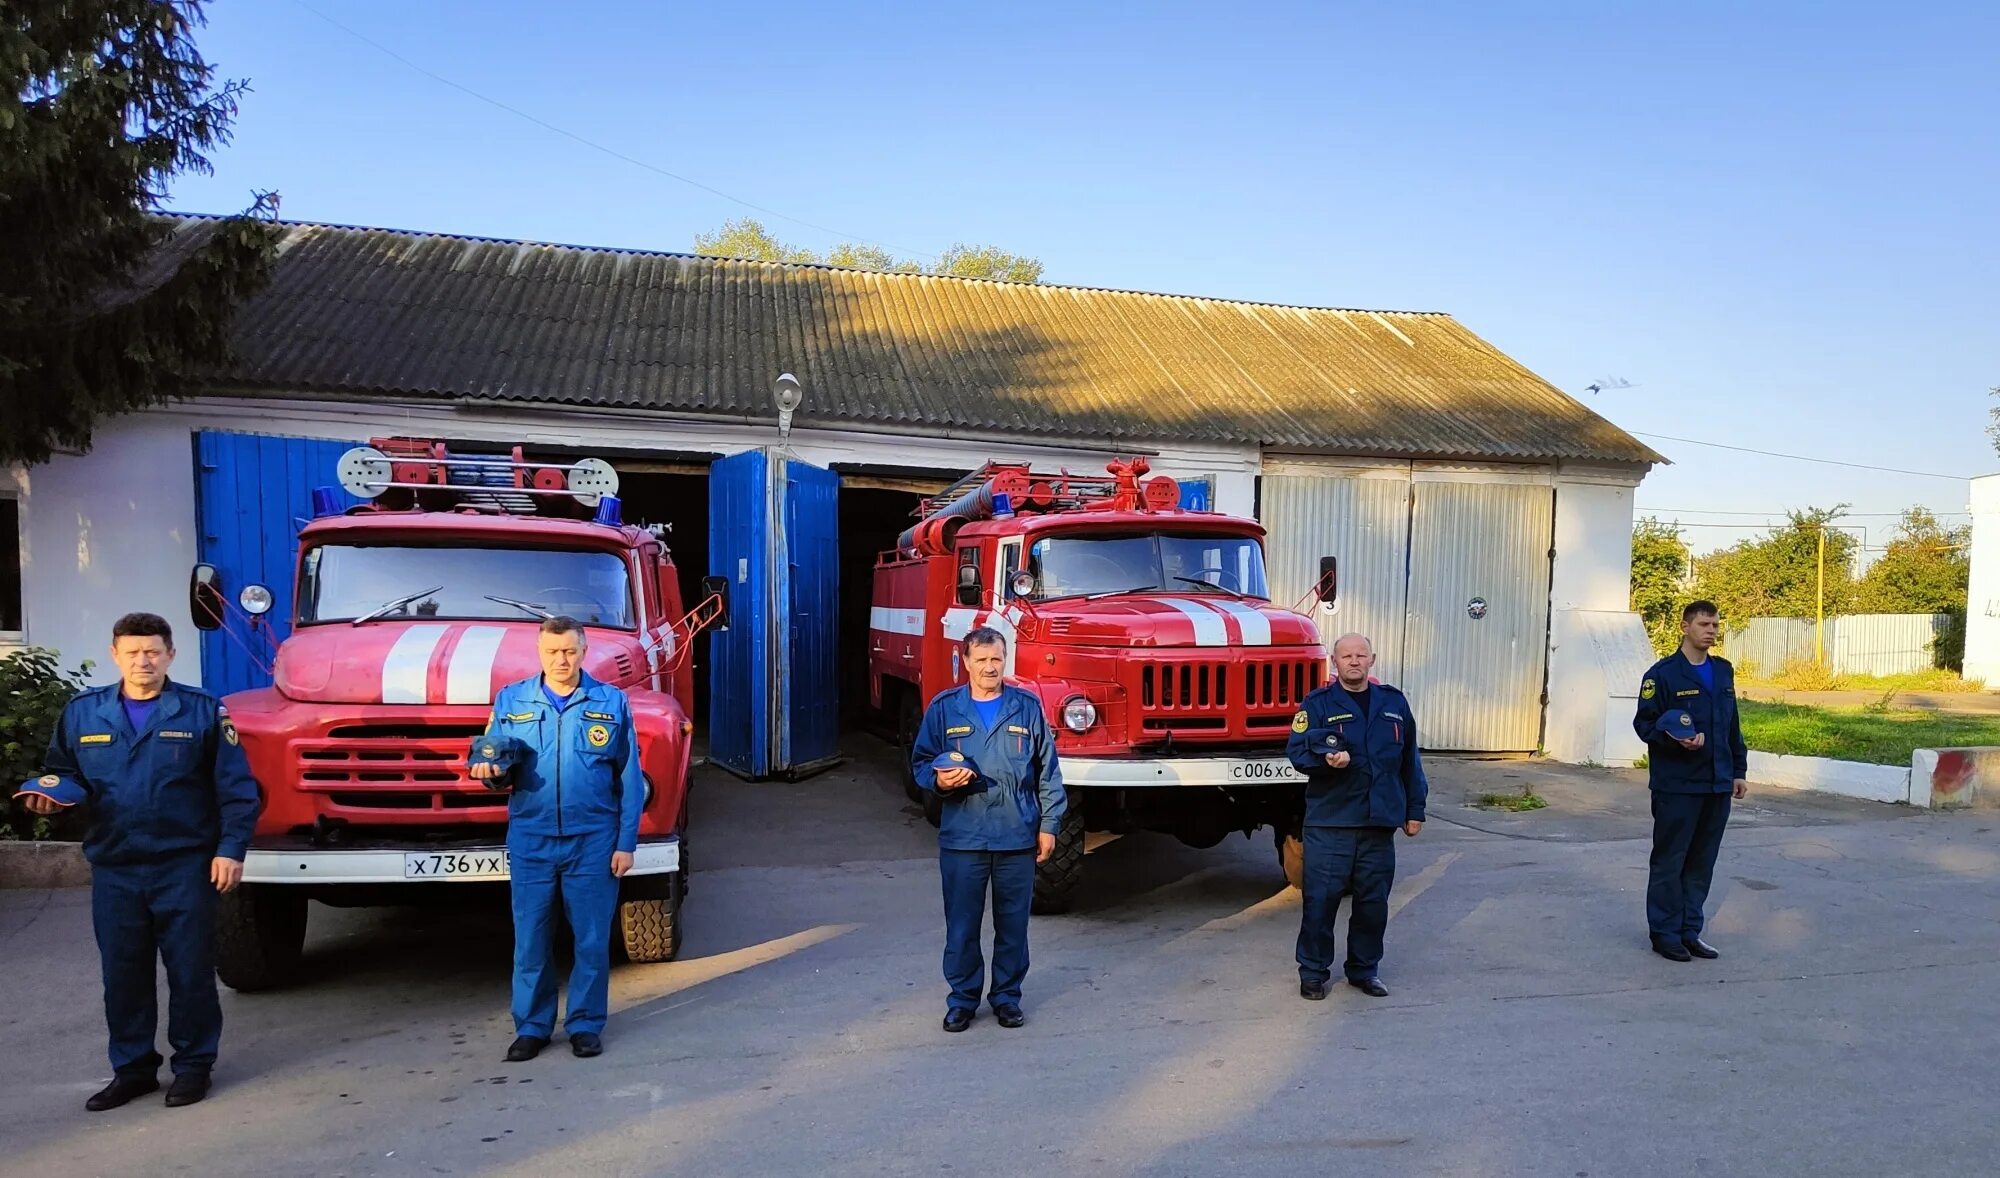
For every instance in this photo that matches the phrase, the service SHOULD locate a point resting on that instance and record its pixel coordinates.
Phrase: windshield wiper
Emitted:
(395, 604)
(1211, 585)
(527, 606)
(1146, 588)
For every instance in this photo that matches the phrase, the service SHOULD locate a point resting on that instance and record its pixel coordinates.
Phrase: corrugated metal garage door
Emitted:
(1477, 638)
(1363, 518)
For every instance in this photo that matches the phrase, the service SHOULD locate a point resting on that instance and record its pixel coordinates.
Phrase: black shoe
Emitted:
(583, 1045)
(187, 1088)
(121, 1090)
(957, 1019)
(1372, 987)
(525, 1048)
(1671, 950)
(1009, 1016)
(1313, 991)
(1700, 948)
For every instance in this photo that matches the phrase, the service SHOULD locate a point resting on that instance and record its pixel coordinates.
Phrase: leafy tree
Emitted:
(1925, 569)
(1776, 576)
(1659, 581)
(747, 238)
(104, 101)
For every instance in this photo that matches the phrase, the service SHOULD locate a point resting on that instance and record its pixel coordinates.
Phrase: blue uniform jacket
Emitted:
(1020, 788)
(1672, 686)
(1384, 783)
(581, 772)
(181, 785)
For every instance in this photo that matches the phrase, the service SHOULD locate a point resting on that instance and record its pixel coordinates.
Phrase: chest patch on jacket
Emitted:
(1017, 730)
(605, 716)
(1340, 717)
(959, 730)
(95, 738)
(518, 717)
(167, 735)
(598, 735)
(1690, 691)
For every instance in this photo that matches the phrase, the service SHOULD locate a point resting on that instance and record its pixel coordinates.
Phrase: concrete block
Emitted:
(1956, 779)
(42, 865)
(1849, 779)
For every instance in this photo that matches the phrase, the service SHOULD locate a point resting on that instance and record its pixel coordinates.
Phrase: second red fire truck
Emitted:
(1169, 676)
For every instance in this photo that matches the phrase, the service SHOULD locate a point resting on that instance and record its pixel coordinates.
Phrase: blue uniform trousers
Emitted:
(1687, 836)
(967, 875)
(1356, 861)
(570, 873)
(164, 908)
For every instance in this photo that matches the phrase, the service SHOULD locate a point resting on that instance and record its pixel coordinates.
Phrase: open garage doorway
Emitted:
(875, 504)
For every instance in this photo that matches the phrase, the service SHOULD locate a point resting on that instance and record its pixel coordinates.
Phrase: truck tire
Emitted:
(649, 931)
(1057, 879)
(1291, 853)
(907, 720)
(260, 936)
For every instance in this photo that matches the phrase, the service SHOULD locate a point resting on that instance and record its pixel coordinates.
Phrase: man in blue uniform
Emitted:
(572, 829)
(986, 750)
(1356, 742)
(1696, 761)
(172, 808)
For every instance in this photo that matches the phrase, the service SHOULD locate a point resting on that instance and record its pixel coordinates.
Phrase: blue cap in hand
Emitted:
(501, 752)
(953, 759)
(1325, 741)
(63, 791)
(1678, 724)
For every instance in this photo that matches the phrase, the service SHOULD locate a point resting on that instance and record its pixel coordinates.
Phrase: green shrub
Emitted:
(33, 690)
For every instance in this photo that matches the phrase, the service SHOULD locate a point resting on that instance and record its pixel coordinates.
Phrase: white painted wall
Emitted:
(1982, 613)
(1597, 646)
(114, 530)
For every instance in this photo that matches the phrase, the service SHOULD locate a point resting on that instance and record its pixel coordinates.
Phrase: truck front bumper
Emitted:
(1138, 773)
(382, 865)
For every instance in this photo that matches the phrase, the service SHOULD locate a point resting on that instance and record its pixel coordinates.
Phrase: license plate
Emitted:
(455, 865)
(1250, 771)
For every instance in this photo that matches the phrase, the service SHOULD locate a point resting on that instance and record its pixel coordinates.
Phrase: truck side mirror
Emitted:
(968, 584)
(1329, 580)
(205, 600)
(718, 588)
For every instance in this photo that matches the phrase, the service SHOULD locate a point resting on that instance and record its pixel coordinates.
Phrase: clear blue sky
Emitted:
(1778, 221)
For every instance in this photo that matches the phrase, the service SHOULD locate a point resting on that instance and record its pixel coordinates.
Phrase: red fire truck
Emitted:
(1169, 677)
(412, 609)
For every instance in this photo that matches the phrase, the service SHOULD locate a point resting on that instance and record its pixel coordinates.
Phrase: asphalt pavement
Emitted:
(1847, 1029)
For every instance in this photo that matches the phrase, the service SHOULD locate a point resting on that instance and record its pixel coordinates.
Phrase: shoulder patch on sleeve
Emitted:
(1299, 721)
(1648, 689)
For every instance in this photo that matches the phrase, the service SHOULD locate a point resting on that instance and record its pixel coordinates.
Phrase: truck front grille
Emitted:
(397, 772)
(1212, 699)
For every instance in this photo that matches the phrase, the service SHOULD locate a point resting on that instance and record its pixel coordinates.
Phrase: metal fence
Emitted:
(1860, 644)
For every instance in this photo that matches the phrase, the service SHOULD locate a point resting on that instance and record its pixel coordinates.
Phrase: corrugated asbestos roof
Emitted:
(370, 312)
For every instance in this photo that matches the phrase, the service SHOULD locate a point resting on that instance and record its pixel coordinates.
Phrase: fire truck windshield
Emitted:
(347, 583)
(1084, 565)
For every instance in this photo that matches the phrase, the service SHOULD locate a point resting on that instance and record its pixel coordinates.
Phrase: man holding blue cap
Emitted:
(572, 829)
(172, 806)
(986, 750)
(1696, 761)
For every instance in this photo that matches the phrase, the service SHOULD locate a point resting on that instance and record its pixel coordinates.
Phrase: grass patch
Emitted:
(1877, 735)
(1810, 676)
(1519, 803)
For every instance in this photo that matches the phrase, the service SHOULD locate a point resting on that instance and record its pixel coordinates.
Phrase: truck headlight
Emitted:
(1078, 714)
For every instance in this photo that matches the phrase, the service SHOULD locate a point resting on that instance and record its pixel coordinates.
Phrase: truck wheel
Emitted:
(906, 737)
(1056, 880)
(1291, 854)
(650, 930)
(260, 935)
